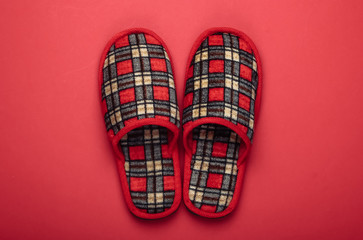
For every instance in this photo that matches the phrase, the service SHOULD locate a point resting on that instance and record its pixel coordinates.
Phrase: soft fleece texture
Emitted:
(142, 118)
(220, 106)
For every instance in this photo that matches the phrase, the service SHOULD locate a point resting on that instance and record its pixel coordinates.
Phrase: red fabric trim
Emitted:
(188, 127)
(138, 123)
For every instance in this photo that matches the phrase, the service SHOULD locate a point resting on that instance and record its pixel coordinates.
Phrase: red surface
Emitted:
(58, 178)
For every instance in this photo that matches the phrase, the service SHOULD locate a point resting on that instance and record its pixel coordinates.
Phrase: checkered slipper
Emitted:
(222, 99)
(142, 118)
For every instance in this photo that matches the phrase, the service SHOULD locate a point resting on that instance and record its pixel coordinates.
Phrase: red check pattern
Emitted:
(214, 167)
(138, 84)
(222, 82)
(149, 168)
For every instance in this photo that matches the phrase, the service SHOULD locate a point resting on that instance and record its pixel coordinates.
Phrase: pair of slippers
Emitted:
(220, 106)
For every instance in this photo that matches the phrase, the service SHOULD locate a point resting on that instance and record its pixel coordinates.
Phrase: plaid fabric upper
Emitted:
(221, 82)
(138, 83)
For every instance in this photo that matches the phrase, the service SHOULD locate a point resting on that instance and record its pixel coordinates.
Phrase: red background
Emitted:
(58, 177)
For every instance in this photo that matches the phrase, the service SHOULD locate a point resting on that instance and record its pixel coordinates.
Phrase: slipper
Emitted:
(220, 106)
(140, 110)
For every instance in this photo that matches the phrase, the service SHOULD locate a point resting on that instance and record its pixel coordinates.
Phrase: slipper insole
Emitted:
(149, 168)
(213, 167)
